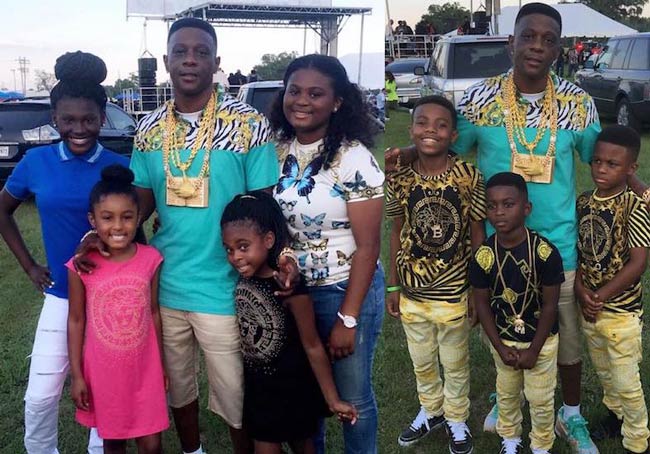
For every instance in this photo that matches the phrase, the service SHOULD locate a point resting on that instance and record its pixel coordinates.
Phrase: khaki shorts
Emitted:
(218, 337)
(570, 324)
(569, 316)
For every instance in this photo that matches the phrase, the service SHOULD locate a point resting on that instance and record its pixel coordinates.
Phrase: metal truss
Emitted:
(262, 16)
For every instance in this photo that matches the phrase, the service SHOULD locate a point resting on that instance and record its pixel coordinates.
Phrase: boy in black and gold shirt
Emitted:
(516, 276)
(613, 237)
(437, 207)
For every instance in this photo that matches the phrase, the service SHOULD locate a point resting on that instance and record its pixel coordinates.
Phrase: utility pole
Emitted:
(23, 69)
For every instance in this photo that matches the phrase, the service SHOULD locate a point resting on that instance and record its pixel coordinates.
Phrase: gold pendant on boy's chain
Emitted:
(520, 326)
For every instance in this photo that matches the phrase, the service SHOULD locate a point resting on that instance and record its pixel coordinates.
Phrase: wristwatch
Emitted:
(348, 320)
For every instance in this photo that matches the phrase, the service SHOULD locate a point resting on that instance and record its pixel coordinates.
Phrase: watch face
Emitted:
(348, 320)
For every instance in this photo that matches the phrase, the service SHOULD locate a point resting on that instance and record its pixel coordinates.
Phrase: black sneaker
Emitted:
(460, 438)
(511, 446)
(419, 428)
(610, 427)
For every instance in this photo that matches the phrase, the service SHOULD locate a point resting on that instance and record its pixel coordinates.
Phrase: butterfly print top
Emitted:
(314, 202)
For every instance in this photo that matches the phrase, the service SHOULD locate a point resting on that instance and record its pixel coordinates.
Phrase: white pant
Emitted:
(48, 370)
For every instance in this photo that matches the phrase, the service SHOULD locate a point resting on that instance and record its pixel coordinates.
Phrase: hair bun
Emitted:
(117, 174)
(77, 66)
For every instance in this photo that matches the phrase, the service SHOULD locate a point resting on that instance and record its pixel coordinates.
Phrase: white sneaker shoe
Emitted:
(511, 446)
(421, 426)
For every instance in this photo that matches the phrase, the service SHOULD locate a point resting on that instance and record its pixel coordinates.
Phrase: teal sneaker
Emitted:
(490, 422)
(574, 431)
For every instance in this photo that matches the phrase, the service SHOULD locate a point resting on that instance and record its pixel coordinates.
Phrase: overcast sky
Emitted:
(41, 30)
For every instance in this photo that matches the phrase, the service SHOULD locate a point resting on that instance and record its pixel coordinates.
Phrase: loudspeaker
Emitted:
(481, 23)
(479, 16)
(147, 64)
(147, 81)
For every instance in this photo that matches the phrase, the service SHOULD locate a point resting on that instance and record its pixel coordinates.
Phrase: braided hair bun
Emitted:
(80, 66)
(117, 174)
(116, 179)
(80, 75)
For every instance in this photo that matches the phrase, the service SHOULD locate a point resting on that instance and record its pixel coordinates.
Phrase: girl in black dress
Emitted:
(288, 384)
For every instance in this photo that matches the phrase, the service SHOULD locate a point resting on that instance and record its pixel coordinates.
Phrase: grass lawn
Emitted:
(394, 381)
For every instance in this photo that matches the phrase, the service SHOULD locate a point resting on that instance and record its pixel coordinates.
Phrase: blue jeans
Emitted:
(353, 374)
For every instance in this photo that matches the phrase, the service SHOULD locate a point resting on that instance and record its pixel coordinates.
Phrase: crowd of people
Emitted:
(405, 41)
(575, 56)
(265, 257)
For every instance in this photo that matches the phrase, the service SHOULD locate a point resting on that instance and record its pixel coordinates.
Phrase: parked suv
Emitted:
(27, 124)
(620, 80)
(459, 62)
(260, 94)
(408, 84)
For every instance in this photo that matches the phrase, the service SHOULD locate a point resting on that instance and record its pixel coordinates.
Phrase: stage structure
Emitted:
(318, 15)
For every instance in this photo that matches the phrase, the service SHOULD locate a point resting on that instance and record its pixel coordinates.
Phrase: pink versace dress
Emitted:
(121, 359)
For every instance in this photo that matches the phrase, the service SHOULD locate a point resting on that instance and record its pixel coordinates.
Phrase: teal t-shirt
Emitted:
(481, 123)
(196, 275)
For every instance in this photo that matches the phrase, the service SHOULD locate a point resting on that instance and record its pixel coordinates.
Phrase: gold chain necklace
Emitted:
(437, 230)
(305, 155)
(172, 146)
(509, 295)
(515, 122)
(592, 202)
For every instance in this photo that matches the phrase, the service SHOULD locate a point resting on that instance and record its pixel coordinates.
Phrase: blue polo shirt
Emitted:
(60, 182)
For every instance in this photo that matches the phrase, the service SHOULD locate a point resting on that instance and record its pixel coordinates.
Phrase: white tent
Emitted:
(577, 20)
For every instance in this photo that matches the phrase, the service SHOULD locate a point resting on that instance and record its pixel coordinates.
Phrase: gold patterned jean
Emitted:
(437, 333)
(614, 344)
(538, 385)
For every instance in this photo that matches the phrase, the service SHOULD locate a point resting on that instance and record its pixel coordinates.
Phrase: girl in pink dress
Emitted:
(114, 331)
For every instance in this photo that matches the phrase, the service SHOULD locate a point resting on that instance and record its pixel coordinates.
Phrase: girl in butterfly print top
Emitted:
(331, 193)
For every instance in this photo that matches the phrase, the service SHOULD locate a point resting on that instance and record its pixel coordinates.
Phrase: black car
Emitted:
(620, 80)
(27, 124)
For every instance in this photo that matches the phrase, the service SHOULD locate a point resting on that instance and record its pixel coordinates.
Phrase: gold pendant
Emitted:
(177, 191)
(531, 167)
(437, 231)
(520, 326)
(509, 295)
(185, 190)
(534, 169)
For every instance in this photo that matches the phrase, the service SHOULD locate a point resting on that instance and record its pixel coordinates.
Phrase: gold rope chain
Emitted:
(593, 199)
(437, 224)
(515, 119)
(172, 146)
(508, 295)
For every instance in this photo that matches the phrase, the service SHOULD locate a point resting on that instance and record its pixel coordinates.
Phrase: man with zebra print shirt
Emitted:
(190, 158)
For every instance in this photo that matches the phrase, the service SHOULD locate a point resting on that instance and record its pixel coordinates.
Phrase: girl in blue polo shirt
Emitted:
(59, 177)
